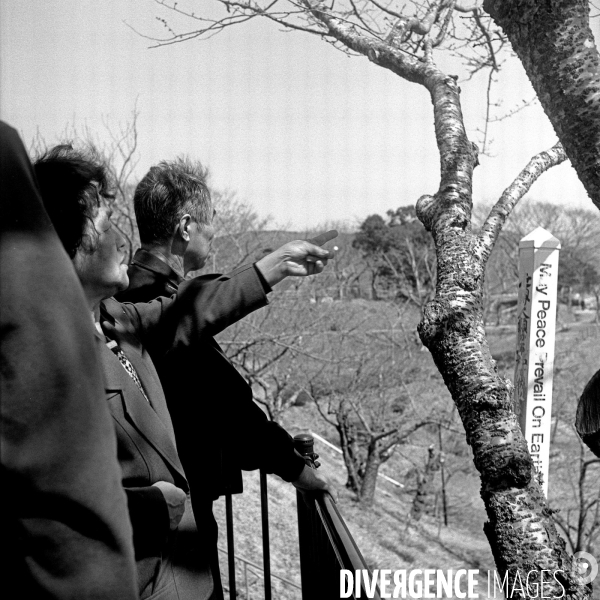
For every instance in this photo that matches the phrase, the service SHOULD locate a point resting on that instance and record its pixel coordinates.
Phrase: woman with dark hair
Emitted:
(74, 189)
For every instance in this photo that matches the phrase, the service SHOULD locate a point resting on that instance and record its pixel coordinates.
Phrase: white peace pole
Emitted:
(536, 329)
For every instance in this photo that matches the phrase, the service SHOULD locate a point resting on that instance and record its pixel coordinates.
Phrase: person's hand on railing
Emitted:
(175, 499)
(311, 480)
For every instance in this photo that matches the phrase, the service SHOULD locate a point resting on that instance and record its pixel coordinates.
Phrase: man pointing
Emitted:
(218, 427)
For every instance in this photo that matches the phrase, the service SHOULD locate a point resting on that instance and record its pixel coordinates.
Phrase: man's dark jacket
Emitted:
(218, 427)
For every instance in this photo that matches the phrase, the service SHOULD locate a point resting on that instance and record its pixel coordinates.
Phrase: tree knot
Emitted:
(500, 451)
(425, 209)
(469, 281)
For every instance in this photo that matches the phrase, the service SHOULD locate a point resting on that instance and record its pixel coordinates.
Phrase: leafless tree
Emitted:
(121, 156)
(270, 349)
(425, 494)
(239, 230)
(373, 392)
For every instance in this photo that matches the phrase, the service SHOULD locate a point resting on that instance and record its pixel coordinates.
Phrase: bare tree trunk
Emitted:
(349, 451)
(520, 530)
(424, 499)
(369, 481)
(554, 42)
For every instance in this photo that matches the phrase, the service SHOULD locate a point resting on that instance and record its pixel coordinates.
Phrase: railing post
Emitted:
(230, 547)
(304, 444)
(264, 511)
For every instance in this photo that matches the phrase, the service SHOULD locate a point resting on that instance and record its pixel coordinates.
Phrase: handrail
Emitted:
(339, 536)
(326, 544)
(264, 515)
(230, 544)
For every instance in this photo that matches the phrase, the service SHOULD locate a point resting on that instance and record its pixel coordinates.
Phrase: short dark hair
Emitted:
(169, 190)
(71, 182)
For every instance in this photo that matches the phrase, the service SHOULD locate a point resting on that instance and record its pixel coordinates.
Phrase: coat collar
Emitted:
(146, 260)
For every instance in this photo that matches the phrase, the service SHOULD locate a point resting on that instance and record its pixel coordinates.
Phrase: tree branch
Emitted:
(515, 191)
(401, 62)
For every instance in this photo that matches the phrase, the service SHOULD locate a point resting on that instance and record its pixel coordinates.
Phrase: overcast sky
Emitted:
(295, 127)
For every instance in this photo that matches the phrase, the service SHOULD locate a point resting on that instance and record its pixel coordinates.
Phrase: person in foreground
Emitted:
(587, 418)
(76, 195)
(64, 522)
(218, 427)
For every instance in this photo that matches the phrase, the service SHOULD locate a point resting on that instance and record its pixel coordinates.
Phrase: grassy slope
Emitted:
(384, 535)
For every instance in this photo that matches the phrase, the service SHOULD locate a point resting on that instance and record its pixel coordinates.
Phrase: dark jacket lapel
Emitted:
(151, 384)
(152, 422)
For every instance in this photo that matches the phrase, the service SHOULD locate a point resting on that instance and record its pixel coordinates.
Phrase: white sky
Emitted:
(295, 127)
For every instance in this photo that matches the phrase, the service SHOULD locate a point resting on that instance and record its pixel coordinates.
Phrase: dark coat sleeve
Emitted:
(256, 441)
(201, 308)
(66, 532)
(272, 448)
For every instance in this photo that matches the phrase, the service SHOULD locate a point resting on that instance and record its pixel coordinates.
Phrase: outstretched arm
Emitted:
(206, 305)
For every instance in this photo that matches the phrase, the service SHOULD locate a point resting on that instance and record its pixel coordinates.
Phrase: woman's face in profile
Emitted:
(100, 261)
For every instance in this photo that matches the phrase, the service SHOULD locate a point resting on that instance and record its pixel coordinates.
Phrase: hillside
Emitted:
(385, 534)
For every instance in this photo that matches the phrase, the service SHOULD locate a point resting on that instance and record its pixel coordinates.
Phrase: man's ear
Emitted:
(183, 228)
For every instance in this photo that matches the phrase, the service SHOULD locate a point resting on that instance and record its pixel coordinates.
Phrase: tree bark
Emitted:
(554, 42)
(520, 530)
(369, 480)
(422, 502)
(350, 452)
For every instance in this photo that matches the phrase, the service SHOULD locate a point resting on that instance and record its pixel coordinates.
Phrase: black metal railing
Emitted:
(326, 545)
(231, 556)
